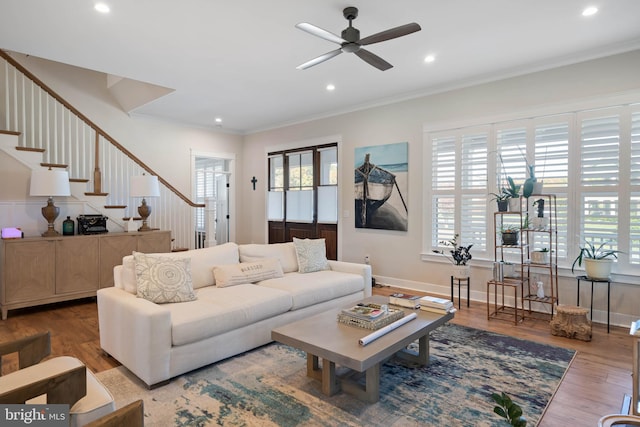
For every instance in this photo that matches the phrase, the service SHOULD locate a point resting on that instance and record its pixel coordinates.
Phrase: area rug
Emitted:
(269, 387)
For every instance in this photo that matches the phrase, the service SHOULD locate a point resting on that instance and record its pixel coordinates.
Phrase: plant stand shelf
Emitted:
(608, 282)
(466, 281)
(497, 309)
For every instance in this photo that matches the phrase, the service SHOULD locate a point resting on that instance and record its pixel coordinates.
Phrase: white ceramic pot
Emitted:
(537, 187)
(461, 271)
(514, 204)
(597, 268)
(538, 257)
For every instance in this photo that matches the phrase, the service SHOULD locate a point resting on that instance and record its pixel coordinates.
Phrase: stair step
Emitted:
(35, 150)
(115, 206)
(11, 132)
(96, 194)
(54, 165)
(78, 180)
(135, 218)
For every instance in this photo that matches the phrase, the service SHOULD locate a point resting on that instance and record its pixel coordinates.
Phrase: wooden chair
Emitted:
(619, 420)
(131, 415)
(59, 380)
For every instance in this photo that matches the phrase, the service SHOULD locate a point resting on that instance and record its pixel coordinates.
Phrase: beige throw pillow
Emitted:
(162, 279)
(312, 255)
(247, 272)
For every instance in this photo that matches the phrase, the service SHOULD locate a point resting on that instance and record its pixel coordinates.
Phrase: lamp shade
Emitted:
(144, 186)
(49, 183)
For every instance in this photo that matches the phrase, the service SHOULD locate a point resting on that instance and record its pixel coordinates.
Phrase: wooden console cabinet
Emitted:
(42, 270)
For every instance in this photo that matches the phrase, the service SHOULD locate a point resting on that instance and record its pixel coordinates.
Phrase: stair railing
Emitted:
(47, 121)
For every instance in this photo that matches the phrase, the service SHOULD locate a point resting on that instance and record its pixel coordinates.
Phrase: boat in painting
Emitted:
(373, 187)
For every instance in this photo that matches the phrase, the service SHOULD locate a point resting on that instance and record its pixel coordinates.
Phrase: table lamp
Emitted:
(50, 183)
(144, 186)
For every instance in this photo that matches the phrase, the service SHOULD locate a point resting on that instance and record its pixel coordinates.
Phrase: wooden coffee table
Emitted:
(322, 336)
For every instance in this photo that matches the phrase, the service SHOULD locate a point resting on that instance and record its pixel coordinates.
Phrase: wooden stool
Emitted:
(571, 322)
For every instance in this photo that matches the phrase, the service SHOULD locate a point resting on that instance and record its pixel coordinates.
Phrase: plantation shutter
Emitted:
(634, 208)
(599, 177)
(474, 173)
(443, 168)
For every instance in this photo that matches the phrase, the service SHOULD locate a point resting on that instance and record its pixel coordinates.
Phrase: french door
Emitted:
(303, 195)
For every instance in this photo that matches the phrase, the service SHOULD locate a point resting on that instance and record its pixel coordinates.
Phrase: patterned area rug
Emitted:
(269, 387)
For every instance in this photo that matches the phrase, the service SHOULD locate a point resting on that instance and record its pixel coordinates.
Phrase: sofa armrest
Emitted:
(136, 332)
(363, 270)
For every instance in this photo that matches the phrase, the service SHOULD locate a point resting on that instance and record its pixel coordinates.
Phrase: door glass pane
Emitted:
(329, 166)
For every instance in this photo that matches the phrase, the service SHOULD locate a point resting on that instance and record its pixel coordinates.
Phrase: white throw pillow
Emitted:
(163, 279)
(312, 255)
(247, 272)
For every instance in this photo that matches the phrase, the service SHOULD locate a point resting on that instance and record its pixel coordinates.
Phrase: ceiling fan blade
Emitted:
(392, 33)
(319, 59)
(373, 59)
(319, 32)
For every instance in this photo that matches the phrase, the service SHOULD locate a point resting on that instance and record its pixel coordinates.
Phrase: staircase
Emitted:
(40, 129)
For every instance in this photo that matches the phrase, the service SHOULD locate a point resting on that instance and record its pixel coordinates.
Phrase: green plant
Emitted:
(509, 229)
(460, 255)
(500, 197)
(508, 409)
(512, 190)
(590, 251)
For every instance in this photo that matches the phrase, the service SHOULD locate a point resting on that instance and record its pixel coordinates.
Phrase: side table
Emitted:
(462, 281)
(608, 282)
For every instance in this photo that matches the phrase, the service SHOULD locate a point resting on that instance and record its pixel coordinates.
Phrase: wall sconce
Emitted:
(50, 183)
(144, 186)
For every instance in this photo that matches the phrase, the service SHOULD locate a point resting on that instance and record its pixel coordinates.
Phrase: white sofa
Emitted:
(160, 341)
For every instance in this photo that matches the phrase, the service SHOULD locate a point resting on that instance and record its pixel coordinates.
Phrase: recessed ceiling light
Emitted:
(429, 58)
(102, 7)
(218, 120)
(331, 87)
(591, 10)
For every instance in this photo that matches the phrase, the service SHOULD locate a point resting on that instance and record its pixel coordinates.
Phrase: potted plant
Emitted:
(512, 191)
(502, 200)
(597, 260)
(459, 256)
(510, 235)
(540, 256)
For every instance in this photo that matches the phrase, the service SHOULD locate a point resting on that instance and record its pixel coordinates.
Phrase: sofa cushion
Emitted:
(312, 288)
(220, 310)
(285, 252)
(162, 279)
(247, 272)
(311, 255)
(202, 263)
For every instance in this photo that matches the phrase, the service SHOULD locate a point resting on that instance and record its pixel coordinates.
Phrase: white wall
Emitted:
(395, 256)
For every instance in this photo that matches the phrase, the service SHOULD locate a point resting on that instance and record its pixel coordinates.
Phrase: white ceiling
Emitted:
(236, 59)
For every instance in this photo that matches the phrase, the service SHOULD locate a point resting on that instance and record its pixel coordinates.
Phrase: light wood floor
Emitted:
(594, 385)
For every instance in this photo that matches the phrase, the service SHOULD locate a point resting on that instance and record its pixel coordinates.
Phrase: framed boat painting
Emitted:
(381, 182)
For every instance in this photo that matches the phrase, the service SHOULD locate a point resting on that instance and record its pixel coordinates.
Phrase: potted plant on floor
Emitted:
(597, 260)
(460, 255)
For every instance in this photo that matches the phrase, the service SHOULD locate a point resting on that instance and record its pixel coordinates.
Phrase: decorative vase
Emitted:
(461, 271)
(514, 204)
(510, 238)
(539, 257)
(598, 269)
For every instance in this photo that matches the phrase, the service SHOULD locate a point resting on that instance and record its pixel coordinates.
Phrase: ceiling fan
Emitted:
(351, 42)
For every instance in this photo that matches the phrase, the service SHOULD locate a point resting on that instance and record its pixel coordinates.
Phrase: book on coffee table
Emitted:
(405, 300)
(364, 311)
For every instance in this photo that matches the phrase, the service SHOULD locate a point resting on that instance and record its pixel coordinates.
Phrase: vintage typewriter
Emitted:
(92, 224)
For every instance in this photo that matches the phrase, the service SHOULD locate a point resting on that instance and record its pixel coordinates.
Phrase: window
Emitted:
(580, 157)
